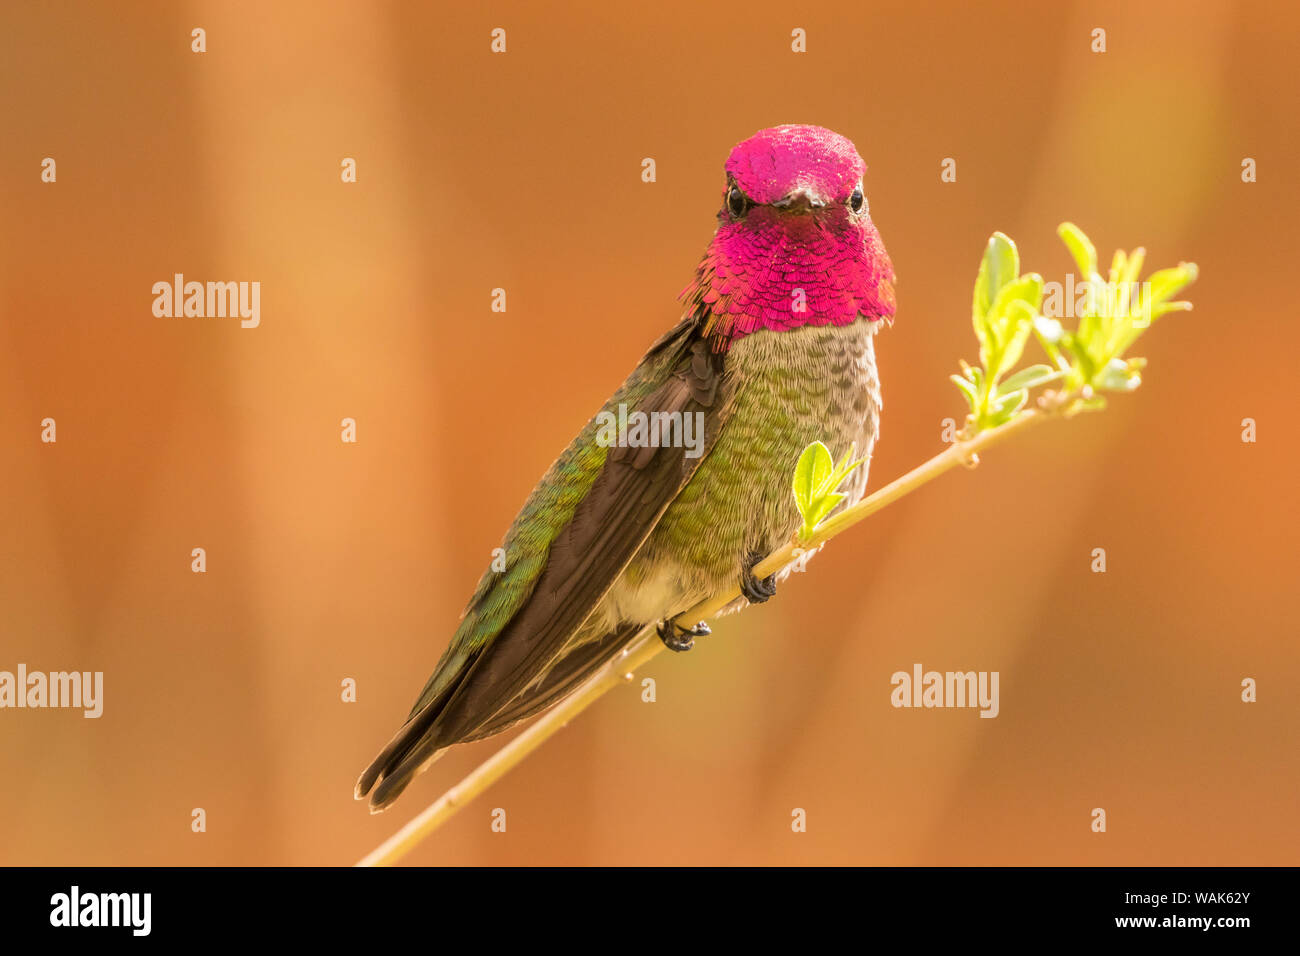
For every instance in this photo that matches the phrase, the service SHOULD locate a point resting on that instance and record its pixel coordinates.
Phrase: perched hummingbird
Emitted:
(773, 351)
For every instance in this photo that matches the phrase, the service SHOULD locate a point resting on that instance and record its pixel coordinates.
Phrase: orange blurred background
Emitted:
(329, 561)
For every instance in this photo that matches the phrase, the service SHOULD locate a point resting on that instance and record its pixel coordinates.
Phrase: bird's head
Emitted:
(795, 244)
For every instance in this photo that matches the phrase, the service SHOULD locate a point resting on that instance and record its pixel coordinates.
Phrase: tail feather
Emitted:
(439, 724)
(390, 772)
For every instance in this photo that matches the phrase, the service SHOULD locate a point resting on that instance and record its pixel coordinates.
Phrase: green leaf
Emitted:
(816, 480)
(1020, 322)
(821, 508)
(1000, 265)
(1030, 377)
(845, 466)
(967, 388)
(1028, 289)
(1167, 307)
(838, 476)
(1080, 246)
(1007, 405)
(1117, 268)
(1167, 283)
(810, 474)
(1133, 267)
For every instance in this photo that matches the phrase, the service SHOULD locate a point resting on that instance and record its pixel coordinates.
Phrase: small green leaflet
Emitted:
(816, 483)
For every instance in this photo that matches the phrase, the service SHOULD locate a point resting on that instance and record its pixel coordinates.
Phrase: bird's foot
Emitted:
(756, 590)
(678, 638)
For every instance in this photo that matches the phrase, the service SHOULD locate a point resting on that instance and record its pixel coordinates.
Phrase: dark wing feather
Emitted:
(481, 688)
(561, 680)
(608, 527)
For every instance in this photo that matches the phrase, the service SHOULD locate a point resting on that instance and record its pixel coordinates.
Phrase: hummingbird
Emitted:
(773, 350)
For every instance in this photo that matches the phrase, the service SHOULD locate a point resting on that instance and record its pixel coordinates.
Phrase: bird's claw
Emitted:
(756, 590)
(678, 638)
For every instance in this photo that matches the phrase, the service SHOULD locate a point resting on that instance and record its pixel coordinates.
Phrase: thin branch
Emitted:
(647, 644)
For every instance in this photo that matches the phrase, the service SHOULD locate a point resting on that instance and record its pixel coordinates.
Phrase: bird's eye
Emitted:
(737, 202)
(857, 200)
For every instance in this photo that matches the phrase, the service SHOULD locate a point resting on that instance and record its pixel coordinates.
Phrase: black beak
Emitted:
(801, 200)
